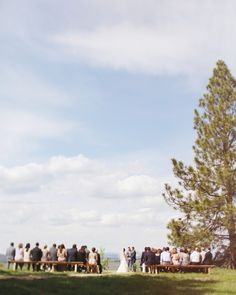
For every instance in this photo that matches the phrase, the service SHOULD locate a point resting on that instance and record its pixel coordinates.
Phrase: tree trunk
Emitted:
(232, 249)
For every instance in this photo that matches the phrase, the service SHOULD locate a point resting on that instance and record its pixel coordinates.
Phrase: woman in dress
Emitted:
(92, 261)
(61, 253)
(45, 257)
(158, 256)
(27, 255)
(61, 256)
(19, 258)
(175, 257)
(123, 267)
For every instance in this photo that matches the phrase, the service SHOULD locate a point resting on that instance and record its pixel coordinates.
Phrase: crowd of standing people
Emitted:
(21, 255)
(181, 257)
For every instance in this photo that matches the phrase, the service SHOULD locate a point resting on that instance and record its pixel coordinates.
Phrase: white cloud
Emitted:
(179, 39)
(79, 176)
(157, 37)
(139, 185)
(81, 193)
(22, 87)
(139, 218)
(22, 214)
(32, 113)
(129, 47)
(23, 131)
(77, 164)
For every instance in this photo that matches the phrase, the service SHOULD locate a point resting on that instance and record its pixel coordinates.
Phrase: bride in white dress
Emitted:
(123, 267)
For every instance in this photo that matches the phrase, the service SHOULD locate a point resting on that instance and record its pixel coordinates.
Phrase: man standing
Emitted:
(99, 264)
(142, 262)
(133, 259)
(36, 255)
(149, 259)
(10, 254)
(128, 255)
(208, 257)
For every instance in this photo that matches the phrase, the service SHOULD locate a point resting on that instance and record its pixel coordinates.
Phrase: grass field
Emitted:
(220, 282)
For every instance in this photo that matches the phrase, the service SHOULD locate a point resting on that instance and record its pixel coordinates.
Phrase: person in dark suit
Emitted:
(82, 257)
(142, 261)
(72, 255)
(36, 255)
(208, 258)
(99, 264)
(133, 259)
(149, 258)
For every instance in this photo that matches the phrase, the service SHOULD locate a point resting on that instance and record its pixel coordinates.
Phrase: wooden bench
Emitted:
(181, 268)
(51, 264)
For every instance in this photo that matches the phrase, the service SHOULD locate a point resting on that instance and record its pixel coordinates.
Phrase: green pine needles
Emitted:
(206, 195)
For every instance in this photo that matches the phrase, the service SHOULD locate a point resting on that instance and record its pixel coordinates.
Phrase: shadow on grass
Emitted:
(11, 273)
(113, 284)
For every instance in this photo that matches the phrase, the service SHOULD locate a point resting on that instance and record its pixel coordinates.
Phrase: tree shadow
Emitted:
(113, 284)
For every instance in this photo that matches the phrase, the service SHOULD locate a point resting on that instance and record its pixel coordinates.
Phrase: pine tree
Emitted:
(206, 195)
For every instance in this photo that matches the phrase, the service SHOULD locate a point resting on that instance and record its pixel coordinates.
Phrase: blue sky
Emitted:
(96, 97)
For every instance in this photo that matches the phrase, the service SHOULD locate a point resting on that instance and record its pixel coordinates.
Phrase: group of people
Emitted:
(165, 256)
(127, 260)
(195, 256)
(90, 260)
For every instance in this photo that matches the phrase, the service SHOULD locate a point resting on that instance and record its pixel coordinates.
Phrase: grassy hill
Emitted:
(219, 282)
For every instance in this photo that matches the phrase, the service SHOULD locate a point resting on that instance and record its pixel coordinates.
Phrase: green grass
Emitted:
(220, 282)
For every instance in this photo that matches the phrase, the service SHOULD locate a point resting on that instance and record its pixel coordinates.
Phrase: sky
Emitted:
(96, 98)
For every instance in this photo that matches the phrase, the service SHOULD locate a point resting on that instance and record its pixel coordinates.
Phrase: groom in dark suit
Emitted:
(133, 259)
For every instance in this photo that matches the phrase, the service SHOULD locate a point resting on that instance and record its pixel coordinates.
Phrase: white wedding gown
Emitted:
(123, 267)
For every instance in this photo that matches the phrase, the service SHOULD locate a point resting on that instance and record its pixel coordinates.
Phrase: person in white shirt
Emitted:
(184, 257)
(195, 257)
(10, 254)
(165, 256)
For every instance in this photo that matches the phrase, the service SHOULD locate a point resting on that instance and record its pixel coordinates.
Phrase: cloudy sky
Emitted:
(96, 97)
